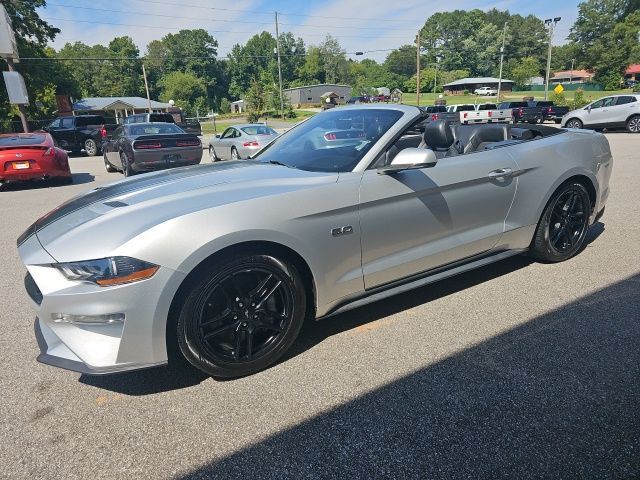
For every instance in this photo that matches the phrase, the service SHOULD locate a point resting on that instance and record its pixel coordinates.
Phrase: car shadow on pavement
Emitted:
(556, 397)
(183, 375)
(76, 179)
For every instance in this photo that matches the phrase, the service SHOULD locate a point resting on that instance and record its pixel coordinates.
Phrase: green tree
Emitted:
(520, 71)
(606, 32)
(402, 61)
(247, 62)
(336, 68)
(188, 51)
(188, 91)
(312, 70)
(43, 78)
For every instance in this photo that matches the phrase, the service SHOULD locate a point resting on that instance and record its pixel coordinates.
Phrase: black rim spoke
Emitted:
(567, 221)
(246, 314)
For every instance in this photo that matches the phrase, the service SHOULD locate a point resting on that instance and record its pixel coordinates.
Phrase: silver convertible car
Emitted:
(222, 263)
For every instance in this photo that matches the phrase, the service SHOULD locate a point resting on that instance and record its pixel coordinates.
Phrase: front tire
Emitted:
(91, 147)
(562, 230)
(574, 123)
(108, 167)
(633, 124)
(242, 317)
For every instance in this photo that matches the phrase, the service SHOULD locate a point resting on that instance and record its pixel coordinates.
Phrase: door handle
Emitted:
(500, 173)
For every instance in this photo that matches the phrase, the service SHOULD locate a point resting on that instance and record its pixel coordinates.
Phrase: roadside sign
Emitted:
(559, 89)
(16, 88)
(8, 45)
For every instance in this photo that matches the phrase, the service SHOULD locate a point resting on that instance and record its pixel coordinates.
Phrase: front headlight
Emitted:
(108, 271)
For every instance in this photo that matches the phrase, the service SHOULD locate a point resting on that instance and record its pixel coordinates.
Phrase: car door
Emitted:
(417, 220)
(622, 110)
(112, 150)
(65, 134)
(598, 113)
(223, 147)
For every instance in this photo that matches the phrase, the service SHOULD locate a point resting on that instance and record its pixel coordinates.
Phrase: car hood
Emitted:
(137, 204)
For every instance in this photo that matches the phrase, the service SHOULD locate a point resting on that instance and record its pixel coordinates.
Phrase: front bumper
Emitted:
(98, 348)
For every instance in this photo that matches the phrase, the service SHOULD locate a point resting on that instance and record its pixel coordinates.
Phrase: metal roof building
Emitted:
(312, 94)
(120, 106)
(471, 83)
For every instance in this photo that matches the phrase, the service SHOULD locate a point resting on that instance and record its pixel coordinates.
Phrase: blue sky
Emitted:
(359, 25)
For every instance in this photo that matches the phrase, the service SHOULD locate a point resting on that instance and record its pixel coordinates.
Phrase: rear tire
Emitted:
(126, 165)
(234, 154)
(562, 230)
(574, 123)
(212, 155)
(241, 316)
(91, 147)
(633, 124)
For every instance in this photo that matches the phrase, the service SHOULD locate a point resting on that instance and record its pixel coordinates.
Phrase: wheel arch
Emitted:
(589, 183)
(254, 246)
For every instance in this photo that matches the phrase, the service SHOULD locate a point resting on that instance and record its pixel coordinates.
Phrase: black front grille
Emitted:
(32, 289)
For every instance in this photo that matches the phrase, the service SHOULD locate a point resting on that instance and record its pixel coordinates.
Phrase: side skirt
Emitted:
(440, 274)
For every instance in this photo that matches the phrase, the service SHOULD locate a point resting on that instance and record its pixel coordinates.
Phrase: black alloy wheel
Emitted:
(243, 318)
(562, 230)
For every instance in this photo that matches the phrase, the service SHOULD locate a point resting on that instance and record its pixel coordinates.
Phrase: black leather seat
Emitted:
(483, 135)
(439, 137)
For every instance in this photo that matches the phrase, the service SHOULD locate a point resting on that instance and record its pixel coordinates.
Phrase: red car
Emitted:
(32, 156)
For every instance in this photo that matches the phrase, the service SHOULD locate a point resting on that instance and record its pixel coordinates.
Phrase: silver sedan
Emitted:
(240, 141)
(222, 263)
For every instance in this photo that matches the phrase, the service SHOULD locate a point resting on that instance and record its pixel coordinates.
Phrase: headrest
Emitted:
(491, 133)
(438, 135)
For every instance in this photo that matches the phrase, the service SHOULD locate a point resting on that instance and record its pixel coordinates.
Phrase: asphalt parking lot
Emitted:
(516, 370)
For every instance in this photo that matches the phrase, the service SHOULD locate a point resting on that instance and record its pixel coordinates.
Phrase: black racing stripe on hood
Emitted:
(100, 194)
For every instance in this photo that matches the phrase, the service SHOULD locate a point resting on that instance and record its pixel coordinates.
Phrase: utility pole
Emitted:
(418, 69)
(551, 23)
(504, 36)
(146, 86)
(21, 109)
(571, 71)
(279, 67)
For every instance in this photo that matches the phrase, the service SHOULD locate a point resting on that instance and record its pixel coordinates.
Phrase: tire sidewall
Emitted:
(126, 166)
(91, 144)
(187, 324)
(579, 124)
(542, 248)
(237, 156)
(634, 118)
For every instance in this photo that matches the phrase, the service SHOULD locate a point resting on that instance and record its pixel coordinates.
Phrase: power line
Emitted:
(218, 20)
(258, 12)
(213, 31)
(100, 59)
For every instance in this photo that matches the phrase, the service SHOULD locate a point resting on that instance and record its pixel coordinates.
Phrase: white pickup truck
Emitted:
(486, 91)
(469, 113)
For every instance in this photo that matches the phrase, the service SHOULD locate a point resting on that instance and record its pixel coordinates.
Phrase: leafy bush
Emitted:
(225, 105)
(636, 87)
(559, 98)
(253, 117)
(578, 99)
(465, 92)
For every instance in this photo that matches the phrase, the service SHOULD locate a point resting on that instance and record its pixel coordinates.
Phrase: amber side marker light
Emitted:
(133, 277)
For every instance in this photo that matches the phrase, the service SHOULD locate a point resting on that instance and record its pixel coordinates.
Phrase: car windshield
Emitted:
(20, 140)
(155, 129)
(331, 141)
(259, 130)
